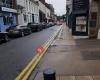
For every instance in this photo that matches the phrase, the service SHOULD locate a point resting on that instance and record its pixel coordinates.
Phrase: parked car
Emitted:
(43, 25)
(18, 31)
(4, 37)
(35, 27)
(59, 23)
(50, 24)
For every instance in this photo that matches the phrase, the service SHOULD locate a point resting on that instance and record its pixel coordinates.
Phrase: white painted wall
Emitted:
(20, 2)
(42, 7)
(45, 10)
(47, 13)
(36, 13)
(29, 8)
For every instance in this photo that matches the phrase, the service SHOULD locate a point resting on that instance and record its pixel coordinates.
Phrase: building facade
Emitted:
(22, 12)
(93, 19)
(8, 14)
(68, 12)
(98, 20)
(28, 11)
(52, 12)
(77, 16)
(42, 10)
(46, 11)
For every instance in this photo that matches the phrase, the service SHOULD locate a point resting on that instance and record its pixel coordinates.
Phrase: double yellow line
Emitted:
(24, 75)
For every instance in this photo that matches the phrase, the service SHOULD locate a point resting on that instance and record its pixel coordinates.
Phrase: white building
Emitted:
(42, 7)
(44, 11)
(28, 11)
(48, 14)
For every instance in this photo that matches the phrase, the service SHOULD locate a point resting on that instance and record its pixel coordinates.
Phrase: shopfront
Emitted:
(7, 18)
(80, 17)
(80, 24)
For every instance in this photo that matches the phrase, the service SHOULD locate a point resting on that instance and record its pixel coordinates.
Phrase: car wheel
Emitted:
(30, 31)
(6, 38)
(22, 34)
(38, 29)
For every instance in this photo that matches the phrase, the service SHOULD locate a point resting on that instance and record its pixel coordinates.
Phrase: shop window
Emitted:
(7, 20)
(81, 22)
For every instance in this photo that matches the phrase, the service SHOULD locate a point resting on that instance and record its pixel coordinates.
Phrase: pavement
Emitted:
(72, 58)
(17, 53)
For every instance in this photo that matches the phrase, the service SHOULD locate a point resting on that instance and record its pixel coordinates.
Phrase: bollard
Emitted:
(49, 74)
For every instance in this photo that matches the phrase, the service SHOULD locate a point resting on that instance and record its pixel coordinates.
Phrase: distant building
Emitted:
(46, 11)
(42, 10)
(8, 14)
(50, 15)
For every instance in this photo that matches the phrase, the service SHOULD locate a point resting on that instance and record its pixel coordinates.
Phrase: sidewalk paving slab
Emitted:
(66, 56)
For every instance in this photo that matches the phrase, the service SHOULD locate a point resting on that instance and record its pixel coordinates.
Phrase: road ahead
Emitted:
(16, 54)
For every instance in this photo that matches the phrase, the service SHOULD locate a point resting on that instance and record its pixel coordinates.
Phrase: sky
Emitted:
(59, 5)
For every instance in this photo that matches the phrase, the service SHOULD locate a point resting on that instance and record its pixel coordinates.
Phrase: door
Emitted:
(33, 17)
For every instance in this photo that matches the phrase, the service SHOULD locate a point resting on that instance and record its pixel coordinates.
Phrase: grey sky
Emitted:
(59, 5)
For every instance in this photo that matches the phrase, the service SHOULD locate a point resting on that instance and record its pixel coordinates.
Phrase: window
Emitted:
(7, 20)
(25, 18)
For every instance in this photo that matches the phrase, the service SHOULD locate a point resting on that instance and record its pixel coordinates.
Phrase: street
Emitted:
(71, 59)
(16, 54)
(49, 39)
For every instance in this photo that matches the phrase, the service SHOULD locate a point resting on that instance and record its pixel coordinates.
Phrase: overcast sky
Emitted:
(59, 5)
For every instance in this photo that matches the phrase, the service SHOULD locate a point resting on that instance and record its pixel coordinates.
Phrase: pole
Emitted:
(49, 74)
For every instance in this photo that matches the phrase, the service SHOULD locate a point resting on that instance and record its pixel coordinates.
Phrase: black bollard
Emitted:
(49, 74)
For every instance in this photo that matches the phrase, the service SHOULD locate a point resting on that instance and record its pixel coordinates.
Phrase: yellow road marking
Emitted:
(30, 67)
(26, 68)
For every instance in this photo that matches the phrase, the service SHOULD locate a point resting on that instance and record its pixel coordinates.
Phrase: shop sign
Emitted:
(9, 10)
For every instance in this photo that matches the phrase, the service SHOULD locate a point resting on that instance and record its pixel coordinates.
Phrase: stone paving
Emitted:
(73, 59)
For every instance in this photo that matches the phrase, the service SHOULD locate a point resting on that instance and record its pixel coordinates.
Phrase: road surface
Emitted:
(16, 54)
